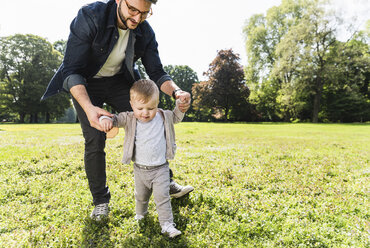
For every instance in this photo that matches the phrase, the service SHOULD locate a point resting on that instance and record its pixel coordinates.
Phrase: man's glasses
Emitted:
(134, 11)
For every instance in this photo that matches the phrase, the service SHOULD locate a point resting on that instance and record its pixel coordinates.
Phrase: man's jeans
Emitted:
(114, 92)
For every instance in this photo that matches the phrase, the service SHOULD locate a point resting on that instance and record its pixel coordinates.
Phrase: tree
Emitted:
(60, 46)
(303, 55)
(347, 99)
(27, 63)
(202, 111)
(185, 78)
(225, 88)
(141, 69)
(291, 60)
(5, 114)
(263, 34)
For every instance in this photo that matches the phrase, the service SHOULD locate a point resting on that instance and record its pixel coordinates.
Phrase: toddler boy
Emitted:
(149, 142)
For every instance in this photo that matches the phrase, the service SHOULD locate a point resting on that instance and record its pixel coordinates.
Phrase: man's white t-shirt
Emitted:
(114, 62)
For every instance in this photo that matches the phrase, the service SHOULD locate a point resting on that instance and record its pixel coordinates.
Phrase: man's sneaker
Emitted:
(100, 211)
(177, 191)
(170, 230)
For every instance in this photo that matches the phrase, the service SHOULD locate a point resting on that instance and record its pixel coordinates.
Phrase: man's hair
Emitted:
(152, 1)
(144, 90)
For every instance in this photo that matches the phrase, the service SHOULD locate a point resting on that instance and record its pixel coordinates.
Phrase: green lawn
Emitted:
(256, 185)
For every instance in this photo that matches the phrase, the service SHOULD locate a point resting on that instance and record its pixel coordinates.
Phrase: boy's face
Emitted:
(144, 112)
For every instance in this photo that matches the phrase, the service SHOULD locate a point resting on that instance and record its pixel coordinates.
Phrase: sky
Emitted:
(189, 32)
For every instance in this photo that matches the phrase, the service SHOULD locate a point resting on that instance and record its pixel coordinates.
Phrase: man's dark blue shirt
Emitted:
(93, 34)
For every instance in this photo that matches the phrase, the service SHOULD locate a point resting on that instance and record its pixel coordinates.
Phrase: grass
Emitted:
(256, 185)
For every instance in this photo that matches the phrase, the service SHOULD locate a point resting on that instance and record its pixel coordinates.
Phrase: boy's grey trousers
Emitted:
(156, 180)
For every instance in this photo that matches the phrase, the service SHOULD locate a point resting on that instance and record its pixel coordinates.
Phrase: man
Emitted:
(105, 41)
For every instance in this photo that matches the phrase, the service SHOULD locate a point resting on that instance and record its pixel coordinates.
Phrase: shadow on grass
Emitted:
(145, 233)
(149, 235)
(96, 233)
(149, 231)
(181, 221)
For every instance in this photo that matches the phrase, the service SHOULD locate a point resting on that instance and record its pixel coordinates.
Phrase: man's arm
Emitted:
(92, 112)
(169, 87)
(154, 69)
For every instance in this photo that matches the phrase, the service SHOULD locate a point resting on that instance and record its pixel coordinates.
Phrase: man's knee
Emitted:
(94, 141)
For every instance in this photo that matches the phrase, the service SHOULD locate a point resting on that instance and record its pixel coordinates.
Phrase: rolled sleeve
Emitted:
(115, 121)
(73, 80)
(163, 79)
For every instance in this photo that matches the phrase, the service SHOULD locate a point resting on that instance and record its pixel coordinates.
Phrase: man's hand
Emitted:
(93, 114)
(185, 100)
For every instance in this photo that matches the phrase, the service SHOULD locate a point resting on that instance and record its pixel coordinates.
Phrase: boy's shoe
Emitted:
(177, 191)
(170, 230)
(100, 211)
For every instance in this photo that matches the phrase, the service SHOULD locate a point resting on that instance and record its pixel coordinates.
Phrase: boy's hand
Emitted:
(106, 123)
(184, 100)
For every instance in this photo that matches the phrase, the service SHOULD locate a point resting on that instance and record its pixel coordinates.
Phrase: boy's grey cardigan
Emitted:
(127, 120)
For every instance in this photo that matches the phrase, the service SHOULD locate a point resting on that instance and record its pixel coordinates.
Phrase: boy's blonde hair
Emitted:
(144, 90)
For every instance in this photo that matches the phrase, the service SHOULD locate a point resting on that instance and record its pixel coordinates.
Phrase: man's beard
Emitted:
(121, 17)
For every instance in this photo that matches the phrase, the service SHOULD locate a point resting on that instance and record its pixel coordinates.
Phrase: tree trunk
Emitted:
(286, 115)
(34, 118)
(47, 117)
(227, 114)
(317, 100)
(21, 117)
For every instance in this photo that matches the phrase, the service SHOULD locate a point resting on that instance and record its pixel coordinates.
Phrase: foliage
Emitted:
(70, 116)
(185, 78)
(264, 96)
(140, 67)
(60, 46)
(292, 62)
(347, 98)
(27, 63)
(225, 89)
(203, 111)
(256, 185)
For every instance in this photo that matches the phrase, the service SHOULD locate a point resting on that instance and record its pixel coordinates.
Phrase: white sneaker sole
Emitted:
(98, 217)
(174, 234)
(184, 191)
